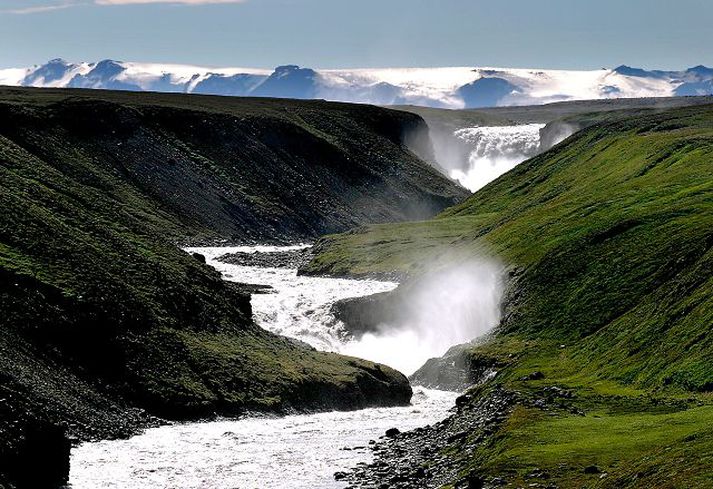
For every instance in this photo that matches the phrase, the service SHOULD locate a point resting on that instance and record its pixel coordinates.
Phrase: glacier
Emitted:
(443, 87)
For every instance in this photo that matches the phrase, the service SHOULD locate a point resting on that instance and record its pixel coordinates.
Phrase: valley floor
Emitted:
(601, 357)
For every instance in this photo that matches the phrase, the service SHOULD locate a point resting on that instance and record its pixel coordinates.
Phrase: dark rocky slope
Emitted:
(106, 323)
(243, 169)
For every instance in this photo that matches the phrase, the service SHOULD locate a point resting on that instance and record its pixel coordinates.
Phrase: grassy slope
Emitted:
(86, 261)
(608, 239)
(86, 264)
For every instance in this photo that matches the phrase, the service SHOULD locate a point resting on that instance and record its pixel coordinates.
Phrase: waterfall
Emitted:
(493, 150)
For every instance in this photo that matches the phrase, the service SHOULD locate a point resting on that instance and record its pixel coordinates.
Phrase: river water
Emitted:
(298, 306)
(304, 451)
(292, 452)
(298, 451)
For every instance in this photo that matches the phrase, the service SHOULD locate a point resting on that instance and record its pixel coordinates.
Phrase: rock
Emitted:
(462, 400)
(592, 469)
(475, 481)
(554, 391)
(42, 460)
(199, 257)
(392, 432)
(457, 436)
(415, 459)
(557, 131)
(533, 376)
(456, 370)
(280, 259)
(362, 315)
(339, 476)
(538, 474)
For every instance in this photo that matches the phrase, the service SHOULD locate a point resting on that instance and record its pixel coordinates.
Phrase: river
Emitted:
(297, 451)
(291, 452)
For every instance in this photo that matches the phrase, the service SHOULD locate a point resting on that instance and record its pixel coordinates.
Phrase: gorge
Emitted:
(112, 328)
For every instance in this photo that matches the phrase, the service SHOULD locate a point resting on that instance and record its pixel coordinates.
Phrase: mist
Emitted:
(493, 151)
(556, 132)
(447, 307)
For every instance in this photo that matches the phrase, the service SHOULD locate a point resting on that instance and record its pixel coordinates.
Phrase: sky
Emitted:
(574, 34)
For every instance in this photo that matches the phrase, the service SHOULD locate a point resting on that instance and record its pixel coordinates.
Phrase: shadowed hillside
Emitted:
(105, 321)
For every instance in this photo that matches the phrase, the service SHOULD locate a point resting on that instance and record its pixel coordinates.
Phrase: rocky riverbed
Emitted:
(415, 459)
(445, 453)
(293, 258)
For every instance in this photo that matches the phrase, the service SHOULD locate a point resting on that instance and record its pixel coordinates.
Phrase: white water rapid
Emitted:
(295, 452)
(450, 307)
(298, 306)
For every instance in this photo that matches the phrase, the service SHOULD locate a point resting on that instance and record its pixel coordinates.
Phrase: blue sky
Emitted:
(663, 34)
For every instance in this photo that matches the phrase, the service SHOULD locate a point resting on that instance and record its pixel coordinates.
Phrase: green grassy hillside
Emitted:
(606, 240)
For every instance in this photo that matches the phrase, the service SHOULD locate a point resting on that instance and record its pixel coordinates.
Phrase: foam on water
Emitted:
(448, 308)
(292, 452)
(299, 451)
(298, 306)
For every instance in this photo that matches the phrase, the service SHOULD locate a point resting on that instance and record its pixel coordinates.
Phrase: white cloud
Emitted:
(182, 2)
(69, 4)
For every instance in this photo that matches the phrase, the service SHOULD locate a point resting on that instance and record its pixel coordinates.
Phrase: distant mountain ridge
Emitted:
(455, 88)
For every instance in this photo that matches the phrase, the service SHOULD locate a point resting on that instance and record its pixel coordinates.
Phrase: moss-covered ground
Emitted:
(606, 240)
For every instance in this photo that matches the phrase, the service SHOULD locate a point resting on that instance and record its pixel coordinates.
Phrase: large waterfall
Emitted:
(493, 150)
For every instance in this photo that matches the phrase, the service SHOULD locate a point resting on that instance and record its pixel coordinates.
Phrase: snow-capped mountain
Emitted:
(460, 87)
